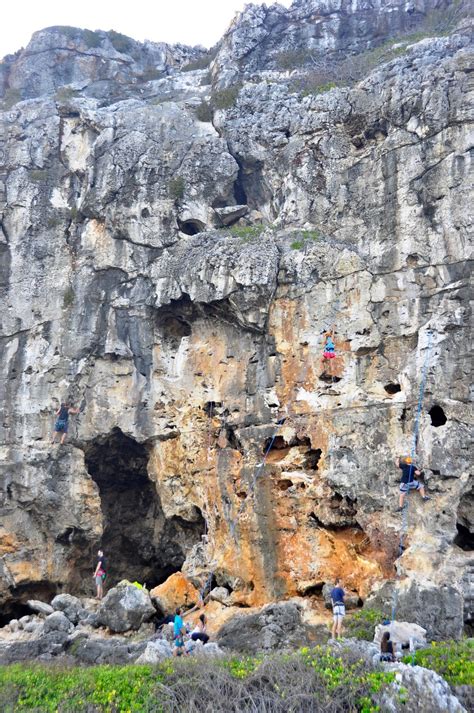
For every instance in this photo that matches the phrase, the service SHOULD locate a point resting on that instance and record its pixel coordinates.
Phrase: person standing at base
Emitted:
(338, 609)
(100, 574)
(62, 421)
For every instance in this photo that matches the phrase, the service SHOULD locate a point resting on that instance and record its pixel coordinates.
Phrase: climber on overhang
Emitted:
(329, 346)
(408, 481)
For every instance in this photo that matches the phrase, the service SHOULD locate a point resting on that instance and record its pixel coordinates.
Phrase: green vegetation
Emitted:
(453, 660)
(63, 94)
(150, 74)
(38, 175)
(311, 679)
(204, 111)
(91, 39)
(176, 188)
(225, 98)
(246, 232)
(120, 42)
(68, 298)
(201, 62)
(304, 236)
(10, 98)
(361, 624)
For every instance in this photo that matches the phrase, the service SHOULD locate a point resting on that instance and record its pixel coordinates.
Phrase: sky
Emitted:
(192, 22)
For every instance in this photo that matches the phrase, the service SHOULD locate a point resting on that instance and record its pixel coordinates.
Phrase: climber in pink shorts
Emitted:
(329, 347)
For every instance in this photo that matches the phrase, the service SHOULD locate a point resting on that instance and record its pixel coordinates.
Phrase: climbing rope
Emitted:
(404, 528)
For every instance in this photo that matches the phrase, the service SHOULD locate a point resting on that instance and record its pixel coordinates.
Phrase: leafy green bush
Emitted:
(247, 232)
(176, 188)
(120, 42)
(68, 298)
(91, 39)
(453, 660)
(225, 98)
(38, 175)
(63, 94)
(10, 98)
(361, 624)
(201, 62)
(204, 112)
(312, 679)
(297, 244)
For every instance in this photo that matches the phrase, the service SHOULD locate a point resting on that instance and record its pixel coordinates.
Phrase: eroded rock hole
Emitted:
(329, 379)
(140, 543)
(239, 191)
(392, 388)
(210, 407)
(437, 415)
(16, 607)
(191, 227)
(312, 458)
(279, 443)
(464, 539)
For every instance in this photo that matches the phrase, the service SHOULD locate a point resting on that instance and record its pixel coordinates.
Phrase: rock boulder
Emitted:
(125, 607)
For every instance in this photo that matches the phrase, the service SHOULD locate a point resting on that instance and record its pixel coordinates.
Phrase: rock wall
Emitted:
(171, 270)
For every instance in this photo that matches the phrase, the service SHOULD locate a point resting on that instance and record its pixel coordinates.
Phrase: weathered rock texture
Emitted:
(183, 342)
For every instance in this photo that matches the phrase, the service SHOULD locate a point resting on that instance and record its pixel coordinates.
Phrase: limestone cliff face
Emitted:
(184, 338)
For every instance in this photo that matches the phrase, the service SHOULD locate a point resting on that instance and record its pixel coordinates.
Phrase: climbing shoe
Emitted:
(399, 509)
(427, 497)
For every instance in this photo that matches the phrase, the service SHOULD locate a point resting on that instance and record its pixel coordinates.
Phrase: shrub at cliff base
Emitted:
(453, 660)
(361, 624)
(308, 680)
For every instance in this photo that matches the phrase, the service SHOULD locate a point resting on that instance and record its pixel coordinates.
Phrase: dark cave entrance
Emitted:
(17, 607)
(139, 542)
(437, 415)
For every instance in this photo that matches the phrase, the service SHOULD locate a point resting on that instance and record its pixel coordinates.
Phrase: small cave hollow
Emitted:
(15, 607)
(437, 415)
(329, 378)
(312, 458)
(278, 443)
(139, 542)
(465, 538)
(191, 226)
(392, 389)
(210, 407)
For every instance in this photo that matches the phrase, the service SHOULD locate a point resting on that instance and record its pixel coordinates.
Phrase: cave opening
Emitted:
(465, 538)
(139, 542)
(240, 195)
(16, 607)
(312, 458)
(437, 415)
(191, 226)
(210, 407)
(392, 389)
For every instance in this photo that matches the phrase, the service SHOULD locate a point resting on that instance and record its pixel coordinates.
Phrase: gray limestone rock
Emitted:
(40, 607)
(125, 607)
(57, 621)
(71, 606)
(421, 689)
(155, 652)
(275, 627)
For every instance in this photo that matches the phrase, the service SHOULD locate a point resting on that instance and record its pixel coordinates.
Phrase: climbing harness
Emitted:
(404, 528)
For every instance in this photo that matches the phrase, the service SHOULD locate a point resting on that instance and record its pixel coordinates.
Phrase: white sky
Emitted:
(191, 22)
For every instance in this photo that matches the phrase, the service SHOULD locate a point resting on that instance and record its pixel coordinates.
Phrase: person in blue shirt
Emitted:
(409, 481)
(329, 347)
(338, 609)
(62, 421)
(178, 634)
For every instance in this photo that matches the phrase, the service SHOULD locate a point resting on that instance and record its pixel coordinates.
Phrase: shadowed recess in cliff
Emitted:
(139, 542)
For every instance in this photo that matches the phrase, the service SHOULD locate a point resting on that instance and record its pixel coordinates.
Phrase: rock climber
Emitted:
(199, 631)
(338, 609)
(62, 421)
(329, 346)
(100, 573)
(386, 648)
(408, 481)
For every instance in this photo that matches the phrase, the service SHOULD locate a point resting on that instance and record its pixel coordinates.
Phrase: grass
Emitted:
(225, 98)
(304, 237)
(204, 112)
(91, 39)
(121, 43)
(246, 232)
(361, 624)
(201, 62)
(311, 679)
(176, 188)
(453, 660)
(63, 94)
